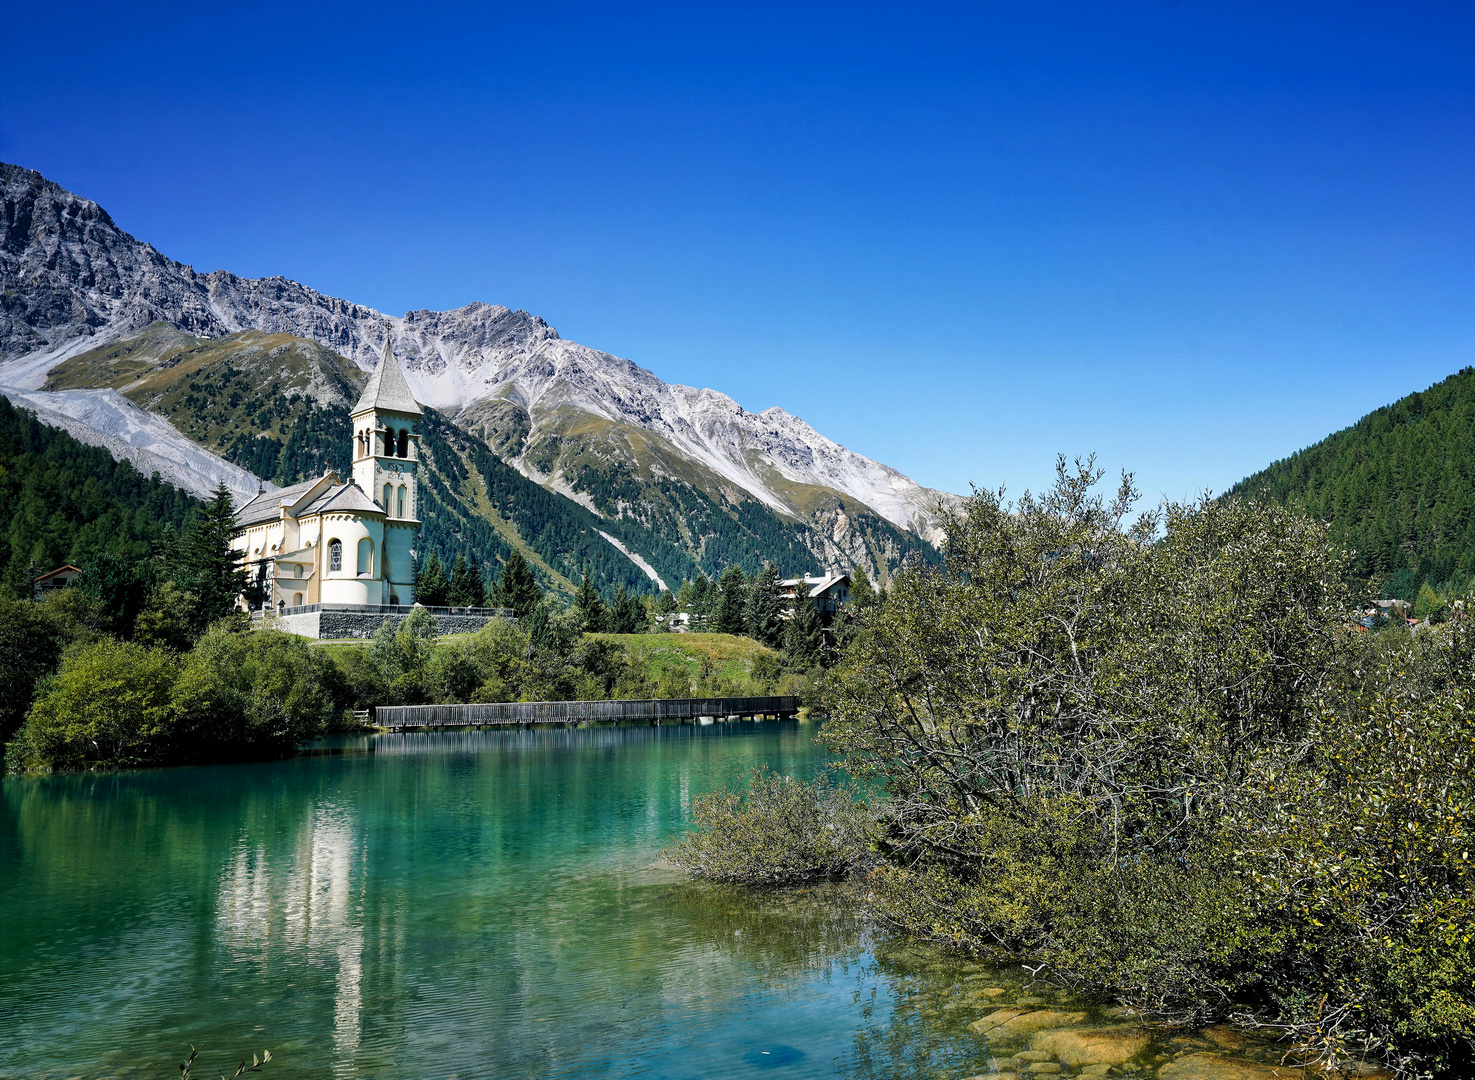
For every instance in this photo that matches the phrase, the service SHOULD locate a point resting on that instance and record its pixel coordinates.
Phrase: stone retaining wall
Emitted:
(362, 624)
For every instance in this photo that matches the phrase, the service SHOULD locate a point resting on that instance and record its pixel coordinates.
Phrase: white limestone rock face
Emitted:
(71, 280)
(107, 419)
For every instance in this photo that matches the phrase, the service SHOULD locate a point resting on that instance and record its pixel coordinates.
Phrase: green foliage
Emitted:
(33, 637)
(1151, 757)
(517, 588)
(109, 704)
(546, 657)
(626, 614)
(779, 832)
(62, 501)
(1429, 604)
(431, 585)
(233, 697)
(206, 568)
(590, 607)
(732, 602)
(764, 618)
(466, 586)
(1398, 487)
(804, 633)
(251, 696)
(164, 619)
(117, 587)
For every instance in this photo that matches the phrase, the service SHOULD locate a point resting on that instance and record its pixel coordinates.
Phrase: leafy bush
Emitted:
(233, 697)
(780, 832)
(108, 704)
(1154, 757)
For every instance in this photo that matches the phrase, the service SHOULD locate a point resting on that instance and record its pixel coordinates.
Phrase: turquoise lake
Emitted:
(473, 904)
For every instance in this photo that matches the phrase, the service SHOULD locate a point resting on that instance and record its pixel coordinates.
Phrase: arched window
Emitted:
(296, 599)
(401, 501)
(297, 570)
(386, 498)
(335, 554)
(404, 442)
(366, 557)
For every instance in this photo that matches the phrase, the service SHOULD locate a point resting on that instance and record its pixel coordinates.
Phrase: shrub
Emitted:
(233, 697)
(781, 831)
(1151, 757)
(108, 704)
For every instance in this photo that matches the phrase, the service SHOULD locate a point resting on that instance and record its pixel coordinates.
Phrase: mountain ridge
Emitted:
(82, 281)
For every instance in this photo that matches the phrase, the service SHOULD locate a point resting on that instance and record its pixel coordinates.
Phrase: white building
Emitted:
(829, 592)
(327, 542)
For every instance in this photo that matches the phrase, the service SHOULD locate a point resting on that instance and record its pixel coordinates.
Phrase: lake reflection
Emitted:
(482, 904)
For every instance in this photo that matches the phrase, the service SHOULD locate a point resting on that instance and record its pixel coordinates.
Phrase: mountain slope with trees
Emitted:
(1398, 488)
(278, 405)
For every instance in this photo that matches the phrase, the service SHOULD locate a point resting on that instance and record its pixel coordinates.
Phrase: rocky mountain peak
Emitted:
(71, 280)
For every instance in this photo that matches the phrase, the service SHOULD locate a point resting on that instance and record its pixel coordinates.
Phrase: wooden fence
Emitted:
(398, 717)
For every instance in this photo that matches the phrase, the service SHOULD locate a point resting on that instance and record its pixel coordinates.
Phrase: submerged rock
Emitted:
(1092, 1046)
(1223, 1035)
(1215, 1067)
(1014, 1024)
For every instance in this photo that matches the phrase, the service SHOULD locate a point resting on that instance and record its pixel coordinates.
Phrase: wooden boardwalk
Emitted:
(519, 713)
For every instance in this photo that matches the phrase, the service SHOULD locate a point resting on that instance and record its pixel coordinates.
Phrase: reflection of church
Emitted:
(327, 542)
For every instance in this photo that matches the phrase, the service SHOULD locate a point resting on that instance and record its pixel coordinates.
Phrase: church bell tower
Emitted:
(386, 456)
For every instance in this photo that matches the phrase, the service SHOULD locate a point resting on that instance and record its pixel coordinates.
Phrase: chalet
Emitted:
(828, 592)
(59, 578)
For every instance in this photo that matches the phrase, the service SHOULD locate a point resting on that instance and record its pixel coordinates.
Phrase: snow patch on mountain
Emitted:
(73, 280)
(107, 419)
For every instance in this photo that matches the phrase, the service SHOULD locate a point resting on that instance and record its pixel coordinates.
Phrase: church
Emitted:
(326, 542)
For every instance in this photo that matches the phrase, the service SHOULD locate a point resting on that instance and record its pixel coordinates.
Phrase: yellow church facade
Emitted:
(331, 542)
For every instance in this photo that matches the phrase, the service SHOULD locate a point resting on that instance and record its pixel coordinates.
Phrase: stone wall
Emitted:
(362, 624)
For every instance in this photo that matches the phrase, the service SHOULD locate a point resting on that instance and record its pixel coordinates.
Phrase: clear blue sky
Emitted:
(1190, 236)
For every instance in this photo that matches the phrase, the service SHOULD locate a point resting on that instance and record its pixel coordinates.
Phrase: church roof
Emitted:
(266, 505)
(387, 388)
(342, 499)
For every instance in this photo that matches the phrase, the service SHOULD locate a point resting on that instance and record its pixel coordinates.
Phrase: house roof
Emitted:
(387, 388)
(60, 570)
(816, 586)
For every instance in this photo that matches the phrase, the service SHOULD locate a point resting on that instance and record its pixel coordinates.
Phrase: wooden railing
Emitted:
(397, 717)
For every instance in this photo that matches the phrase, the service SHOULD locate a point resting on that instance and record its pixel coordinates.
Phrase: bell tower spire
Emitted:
(386, 455)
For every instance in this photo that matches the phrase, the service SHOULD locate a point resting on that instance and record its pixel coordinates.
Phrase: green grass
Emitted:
(729, 656)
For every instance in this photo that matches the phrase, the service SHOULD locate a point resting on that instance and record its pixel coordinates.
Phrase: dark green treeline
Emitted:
(1398, 487)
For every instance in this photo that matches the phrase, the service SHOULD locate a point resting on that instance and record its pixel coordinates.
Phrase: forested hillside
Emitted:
(278, 405)
(62, 501)
(1398, 487)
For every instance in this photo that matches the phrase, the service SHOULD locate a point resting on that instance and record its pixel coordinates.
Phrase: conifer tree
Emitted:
(732, 602)
(699, 605)
(804, 634)
(463, 590)
(862, 595)
(590, 607)
(477, 584)
(765, 614)
(431, 588)
(517, 588)
(209, 570)
(620, 621)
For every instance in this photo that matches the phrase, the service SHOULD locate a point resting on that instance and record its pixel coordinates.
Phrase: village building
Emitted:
(59, 578)
(325, 541)
(828, 592)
